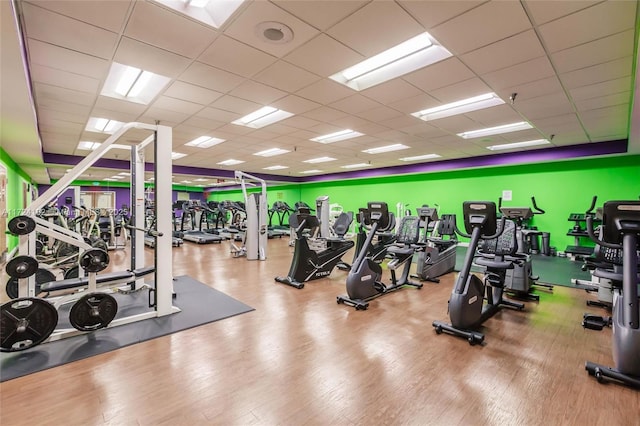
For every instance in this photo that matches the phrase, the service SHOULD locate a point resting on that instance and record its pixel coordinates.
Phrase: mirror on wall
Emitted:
(3, 213)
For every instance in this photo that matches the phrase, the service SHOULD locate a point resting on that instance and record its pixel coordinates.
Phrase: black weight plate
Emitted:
(99, 243)
(21, 225)
(73, 272)
(94, 260)
(42, 276)
(93, 311)
(64, 250)
(22, 267)
(25, 323)
(39, 248)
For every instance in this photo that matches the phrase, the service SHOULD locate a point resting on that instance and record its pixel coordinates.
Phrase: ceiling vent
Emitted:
(274, 32)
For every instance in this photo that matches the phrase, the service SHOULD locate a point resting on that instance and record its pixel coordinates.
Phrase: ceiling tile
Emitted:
(191, 93)
(106, 14)
(231, 55)
(136, 54)
(153, 24)
(375, 27)
(133, 109)
(64, 79)
(443, 73)
(295, 104)
(257, 92)
(483, 25)
(317, 14)
(211, 78)
(603, 101)
(300, 122)
(545, 11)
(433, 12)
(415, 103)
(545, 106)
(526, 72)
(67, 60)
(603, 50)
(236, 105)
(378, 114)
(325, 114)
(601, 72)
(285, 76)
(545, 86)
(60, 94)
(619, 85)
(313, 55)
(504, 53)
(459, 91)
(354, 104)
(59, 30)
(177, 105)
(218, 115)
(46, 114)
(325, 91)
(164, 116)
(391, 91)
(243, 28)
(589, 24)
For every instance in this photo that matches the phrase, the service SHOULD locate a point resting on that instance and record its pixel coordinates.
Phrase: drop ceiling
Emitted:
(570, 64)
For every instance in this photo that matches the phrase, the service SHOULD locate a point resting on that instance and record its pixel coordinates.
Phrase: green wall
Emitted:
(16, 177)
(560, 188)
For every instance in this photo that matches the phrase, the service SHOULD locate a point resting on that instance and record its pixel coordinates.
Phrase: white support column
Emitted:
(138, 207)
(163, 250)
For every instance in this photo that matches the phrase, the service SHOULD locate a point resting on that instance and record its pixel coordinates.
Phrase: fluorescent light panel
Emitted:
(262, 117)
(209, 12)
(103, 125)
(177, 155)
(275, 168)
(356, 166)
(205, 142)
(271, 152)
(459, 107)
(90, 146)
(319, 160)
(388, 148)
(497, 130)
(518, 144)
(306, 172)
(200, 180)
(408, 56)
(133, 84)
(337, 136)
(230, 162)
(420, 157)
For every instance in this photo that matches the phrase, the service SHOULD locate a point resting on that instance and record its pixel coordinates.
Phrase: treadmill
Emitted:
(190, 209)
(150, 241)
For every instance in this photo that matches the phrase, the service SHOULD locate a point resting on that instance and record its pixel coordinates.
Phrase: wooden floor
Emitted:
(300, 358)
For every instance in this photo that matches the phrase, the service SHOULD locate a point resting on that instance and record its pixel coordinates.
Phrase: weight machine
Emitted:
(254, 245)
(30, 320)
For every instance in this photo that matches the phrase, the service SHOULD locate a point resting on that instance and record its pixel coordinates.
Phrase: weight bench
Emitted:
(108, 278)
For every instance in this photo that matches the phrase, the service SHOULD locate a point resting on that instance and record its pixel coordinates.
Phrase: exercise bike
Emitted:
(620, 237)
(467, 309)
(364, 282)
(308, 264)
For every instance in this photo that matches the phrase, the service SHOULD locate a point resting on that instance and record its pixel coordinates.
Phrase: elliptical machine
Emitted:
(364, 280)
(467, 309)
(308, 264)
(620, 238)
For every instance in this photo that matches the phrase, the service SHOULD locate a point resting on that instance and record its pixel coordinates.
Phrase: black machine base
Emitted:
(472, 336)
(289, 281)
(601, 373)
(362, 304)
(595, 322)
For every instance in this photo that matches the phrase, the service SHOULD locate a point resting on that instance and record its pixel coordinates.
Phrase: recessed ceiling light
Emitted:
(200, 180)
(275, 168)
(271, 152)
(102, 125)
(118, 177)
(177, 155)
(518, 144)
(356, 166)
(497, 130)
(408, 56)
(205, 142)
(124, 174)
(110, 179)
(262, 117)
(133, 84)
(88, 146)
(337, 136)
(306, 172)
(319, 160)
(388, 148)
(459, 107)
(420, 157)
(274, 32)
(230, 162)
(186, 181)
